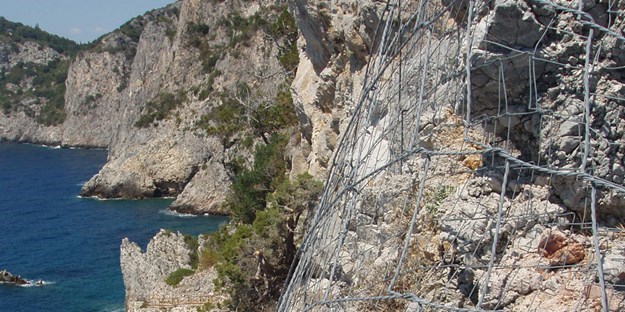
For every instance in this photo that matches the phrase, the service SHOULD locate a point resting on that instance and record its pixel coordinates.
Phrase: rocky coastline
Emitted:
(162, 78)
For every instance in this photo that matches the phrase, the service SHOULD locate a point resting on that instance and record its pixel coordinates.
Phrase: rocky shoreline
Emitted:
(186, 54)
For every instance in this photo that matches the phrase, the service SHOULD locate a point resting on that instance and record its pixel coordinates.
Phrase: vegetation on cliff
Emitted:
(245, 111)
(13, 34)
(176, 277)
(252, 256)
(284, 27)
(253, 253)
(160, 107)
(37, 89)
(35, 84)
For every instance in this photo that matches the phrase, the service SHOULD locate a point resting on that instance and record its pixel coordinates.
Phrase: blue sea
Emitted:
(48, 233)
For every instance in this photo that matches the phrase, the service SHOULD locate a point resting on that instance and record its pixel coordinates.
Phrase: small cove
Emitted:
(49, 233)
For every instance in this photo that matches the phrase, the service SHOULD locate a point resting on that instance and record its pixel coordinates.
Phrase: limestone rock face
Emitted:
(161, 157)
(109, 89)
(20, 125)
(145, 274)
(537, 253)
(94, 102)
(334, 43)
(159, 168)
(504, 35)
(115, 82)
(27, 52)
(111, 85)
(205, 192)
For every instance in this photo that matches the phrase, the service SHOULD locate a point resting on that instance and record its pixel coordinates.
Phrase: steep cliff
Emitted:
(193, 90)
(152, 92)
(207, 57)
(481, 165)
(33, 69)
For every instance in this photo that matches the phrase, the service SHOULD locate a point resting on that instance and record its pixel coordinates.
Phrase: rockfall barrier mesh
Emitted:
(482, 168)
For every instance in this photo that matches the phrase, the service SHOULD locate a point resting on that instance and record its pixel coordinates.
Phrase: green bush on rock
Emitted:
(251, 186)
(174, 278)
(48, 82)
(252, 259)
(160, 107)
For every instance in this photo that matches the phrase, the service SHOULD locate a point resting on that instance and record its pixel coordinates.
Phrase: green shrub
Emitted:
(232, 250)
(6, 104)
(160, 107)
(22, 33)
(284, 27)
(250, 187)
(206, 307)
(223, 121)
(192, 244)
(289, 57)
(296, 195)
(174, 278)
(123, 84)
(275, 116)
(90, 99)
(48, 81)
(435, 198)
(52, 113)
(201, 29)
(209, 57)
(240, 29)
(133, 28)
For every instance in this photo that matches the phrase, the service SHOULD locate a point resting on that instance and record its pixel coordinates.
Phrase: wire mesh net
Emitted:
(481, 168)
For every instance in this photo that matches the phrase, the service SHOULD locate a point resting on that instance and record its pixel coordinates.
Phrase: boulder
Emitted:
(7, 278)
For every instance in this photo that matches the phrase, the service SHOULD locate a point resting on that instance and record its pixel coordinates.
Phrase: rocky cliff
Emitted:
(155, 279)
(424, 214)
(33, 69)
(184, 90)
(150, 92)
(187, 65)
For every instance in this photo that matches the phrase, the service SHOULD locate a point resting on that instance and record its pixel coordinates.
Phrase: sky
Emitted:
(79, 20)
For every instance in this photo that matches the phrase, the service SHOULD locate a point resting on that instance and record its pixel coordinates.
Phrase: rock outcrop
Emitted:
(145, 275)
(8, 278)
(148, 92)
(206, 192)
(334, 44)
(28, 101)
(171, 155)
(94, 103)
(510, 38)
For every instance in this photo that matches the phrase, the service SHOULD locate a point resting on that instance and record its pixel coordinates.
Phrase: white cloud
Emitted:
(75, 30)
(99, 29)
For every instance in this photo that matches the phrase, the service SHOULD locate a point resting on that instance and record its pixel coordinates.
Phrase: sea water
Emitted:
(49, 233)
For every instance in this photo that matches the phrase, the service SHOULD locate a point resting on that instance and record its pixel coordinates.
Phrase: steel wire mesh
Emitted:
(463, 180)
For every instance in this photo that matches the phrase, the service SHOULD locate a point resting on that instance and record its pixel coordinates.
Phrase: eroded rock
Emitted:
(145, 273)
(8, 278)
